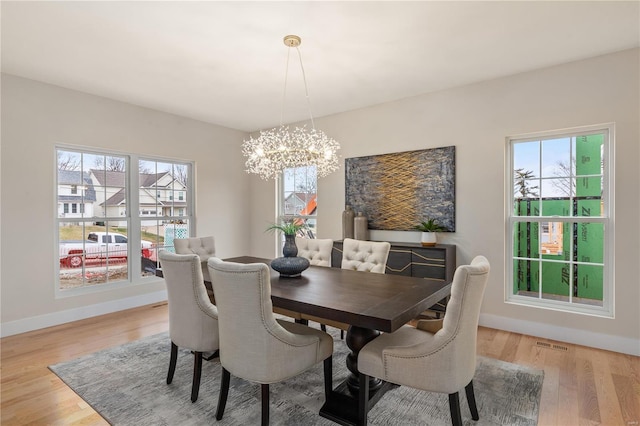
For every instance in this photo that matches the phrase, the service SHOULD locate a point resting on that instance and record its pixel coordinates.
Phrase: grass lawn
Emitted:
(74, 233)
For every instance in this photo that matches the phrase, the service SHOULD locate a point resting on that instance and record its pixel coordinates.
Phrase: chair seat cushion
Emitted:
(371, 357)
(325, 348)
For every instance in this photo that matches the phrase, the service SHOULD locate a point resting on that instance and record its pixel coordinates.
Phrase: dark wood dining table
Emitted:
(370, 303)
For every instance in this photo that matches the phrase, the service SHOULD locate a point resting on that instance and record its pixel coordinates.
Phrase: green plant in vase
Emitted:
(429, 228)
(290, 265)
(288, 227)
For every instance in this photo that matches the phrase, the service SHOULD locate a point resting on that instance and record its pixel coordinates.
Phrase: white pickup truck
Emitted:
(99, 245)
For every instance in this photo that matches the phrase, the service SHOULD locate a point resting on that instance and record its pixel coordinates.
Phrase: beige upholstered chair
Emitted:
(253, 344)
(204, 247)
(437, 355)
(318, 251)
(358, 255)
(193, 320)
(368, 256)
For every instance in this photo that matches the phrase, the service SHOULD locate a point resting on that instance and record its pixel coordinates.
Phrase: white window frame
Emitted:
(132, 185)
(607, 309)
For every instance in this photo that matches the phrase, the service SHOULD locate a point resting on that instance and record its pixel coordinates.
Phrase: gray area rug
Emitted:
(127, 386)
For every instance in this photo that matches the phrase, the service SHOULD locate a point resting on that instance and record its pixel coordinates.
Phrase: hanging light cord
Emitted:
(284, 91)
(306, 89)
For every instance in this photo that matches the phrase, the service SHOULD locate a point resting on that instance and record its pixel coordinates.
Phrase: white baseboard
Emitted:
(608, 342)
(56, 318)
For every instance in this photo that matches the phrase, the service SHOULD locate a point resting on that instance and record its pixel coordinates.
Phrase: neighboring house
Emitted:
(297, 201)
(76, 194)
(100, 193)
(160, 194)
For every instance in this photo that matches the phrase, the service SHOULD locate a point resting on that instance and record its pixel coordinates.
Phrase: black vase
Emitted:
(290, 265)
(290, 248)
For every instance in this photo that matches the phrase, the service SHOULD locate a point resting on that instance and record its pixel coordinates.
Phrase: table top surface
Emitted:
(381, 302)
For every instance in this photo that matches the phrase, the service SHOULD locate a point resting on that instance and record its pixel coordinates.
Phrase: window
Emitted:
(560, 227)
(102, 243)
(74, 189)
(299, 198)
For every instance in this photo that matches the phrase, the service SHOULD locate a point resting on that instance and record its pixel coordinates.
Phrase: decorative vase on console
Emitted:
(289, 265)
(361, 227)
(347, 222)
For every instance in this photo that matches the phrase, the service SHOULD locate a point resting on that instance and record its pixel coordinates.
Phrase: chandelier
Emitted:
(282, 148)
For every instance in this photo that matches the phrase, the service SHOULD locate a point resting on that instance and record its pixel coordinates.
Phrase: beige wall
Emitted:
(476, 119)
(35, 117)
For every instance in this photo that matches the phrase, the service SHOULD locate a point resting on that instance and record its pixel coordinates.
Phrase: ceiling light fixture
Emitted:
(280, 148)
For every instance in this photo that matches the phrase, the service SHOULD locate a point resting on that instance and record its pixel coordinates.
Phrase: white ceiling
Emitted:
(224, 62)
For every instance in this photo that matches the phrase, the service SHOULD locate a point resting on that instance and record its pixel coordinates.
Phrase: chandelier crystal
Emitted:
(281, 148)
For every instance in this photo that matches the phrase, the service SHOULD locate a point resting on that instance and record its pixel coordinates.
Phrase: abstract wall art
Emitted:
(399, 190)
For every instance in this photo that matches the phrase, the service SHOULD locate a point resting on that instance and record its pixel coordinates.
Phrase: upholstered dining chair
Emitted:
(368, 256)
(254, 346)
(437, 355)
(316, 250)
(204, 247)
(193, 319)
(358, 255)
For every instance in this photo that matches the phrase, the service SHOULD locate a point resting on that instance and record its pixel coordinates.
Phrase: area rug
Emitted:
(127, 386)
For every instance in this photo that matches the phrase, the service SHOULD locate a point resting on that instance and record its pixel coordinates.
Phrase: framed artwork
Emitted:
(397, 191)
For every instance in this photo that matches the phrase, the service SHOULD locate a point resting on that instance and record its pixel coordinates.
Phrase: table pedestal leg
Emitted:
(356, 338)
(342, 404)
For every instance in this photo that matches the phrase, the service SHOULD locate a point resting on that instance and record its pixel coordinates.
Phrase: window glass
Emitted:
(299, 197)
(559, 244)
(163, 215)
(94, 220)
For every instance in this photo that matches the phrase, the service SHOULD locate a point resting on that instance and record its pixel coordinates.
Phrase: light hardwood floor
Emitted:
(582, 386)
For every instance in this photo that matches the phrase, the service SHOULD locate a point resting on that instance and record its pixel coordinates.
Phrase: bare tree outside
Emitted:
(565, 186)
(304, 178)
(110, 164)
(115, 164)
(180, 173)
(67, 161)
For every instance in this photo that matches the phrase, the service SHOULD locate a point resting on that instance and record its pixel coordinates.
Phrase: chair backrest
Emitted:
(204, 247)
(254, 346)
(444, 361)
(368, 256)
(467, 290)
(193, 319)
(317, 251)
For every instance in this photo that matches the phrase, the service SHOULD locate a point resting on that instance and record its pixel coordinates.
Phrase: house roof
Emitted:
(76, 177)
(117, 179)
(115, 200)
(302, 196)
(119, 197)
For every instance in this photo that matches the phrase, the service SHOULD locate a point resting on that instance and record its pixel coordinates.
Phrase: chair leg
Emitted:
(454, 407)
(224, 392)
(197, 372)
(341, 334)
(363, 399)
(328, 377)
(323, 327)
(471, 399)
(172, 362)
(265, 405)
